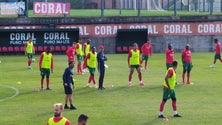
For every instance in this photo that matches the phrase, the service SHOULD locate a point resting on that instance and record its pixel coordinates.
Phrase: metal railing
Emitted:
(88, 8)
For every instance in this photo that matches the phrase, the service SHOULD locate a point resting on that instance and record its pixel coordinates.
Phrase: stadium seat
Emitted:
(57, 48)
(0, 49)
(10, 49)
(36, 49)
(4, 49)
(40, 49)
(63, 48)
(130, 48)
(119, 49)
(125, 49)
(52, 48)
(22, 48)
(16, 49)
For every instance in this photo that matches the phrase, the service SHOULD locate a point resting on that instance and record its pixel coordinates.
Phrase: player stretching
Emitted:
(168, 90)
(79, 54)
(29, 51)
(71, 52)
(90, 62)
(86, 49)
(146, 52)
(45, 64)
(134, 63)
(217, 53)
(169, 56)
(187, 63)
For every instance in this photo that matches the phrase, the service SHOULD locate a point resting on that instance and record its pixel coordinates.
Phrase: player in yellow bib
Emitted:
(29, 51)
(168, 90)
(79, 54)
(90, 62)
(45, 64)
(86, 49)
(134, 63)
(58, 119)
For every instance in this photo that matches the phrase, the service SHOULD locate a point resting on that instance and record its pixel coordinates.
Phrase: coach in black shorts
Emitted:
(67, 81)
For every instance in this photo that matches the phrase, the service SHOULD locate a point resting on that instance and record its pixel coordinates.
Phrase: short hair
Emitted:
(175, 63)
(48, 48)
(70, 62)
(83, 117)
(73, 43)
(60, 105)
(215, 40)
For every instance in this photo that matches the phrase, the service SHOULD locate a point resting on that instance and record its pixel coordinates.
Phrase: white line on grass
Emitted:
(16, 93)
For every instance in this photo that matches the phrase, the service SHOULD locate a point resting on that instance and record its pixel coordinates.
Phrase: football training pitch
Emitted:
(118, 104)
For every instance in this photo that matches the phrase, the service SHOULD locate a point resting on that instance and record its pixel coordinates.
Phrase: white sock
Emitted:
(130, 82)
(174, 112)
(160, 113)
(141, 81)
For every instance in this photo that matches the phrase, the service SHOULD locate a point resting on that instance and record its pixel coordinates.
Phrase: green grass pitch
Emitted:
(199, 104)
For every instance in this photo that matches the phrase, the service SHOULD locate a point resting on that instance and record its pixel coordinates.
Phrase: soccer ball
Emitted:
(33, 60)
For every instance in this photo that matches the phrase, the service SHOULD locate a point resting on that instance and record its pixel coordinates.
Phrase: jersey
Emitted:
(79, 49)
(172, 80)
(146, 49)
(186, 55)
(58, 121)
(91, 60)
(169, 56)
(46, 60)
(217, 49)
(134, 57)
(68, 75)
(71, 53)
(86, 49)
(29, 47)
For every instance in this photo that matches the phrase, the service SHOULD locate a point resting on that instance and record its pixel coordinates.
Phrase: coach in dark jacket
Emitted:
(100, 59)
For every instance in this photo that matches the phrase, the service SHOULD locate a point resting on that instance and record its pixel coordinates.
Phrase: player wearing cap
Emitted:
(100, 59)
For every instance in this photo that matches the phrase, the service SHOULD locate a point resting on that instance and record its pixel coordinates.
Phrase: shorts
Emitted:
(45, 72)
(168, 66)
(134, 66)
(187, 66)
(29, 55)
(79, 58)
(145, 57)
(217, 56)
(68, 89)
(167, 94)
(92, 70)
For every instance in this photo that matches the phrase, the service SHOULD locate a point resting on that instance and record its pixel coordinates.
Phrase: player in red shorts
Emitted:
(146, 50)
(217, 53)
(187, 63)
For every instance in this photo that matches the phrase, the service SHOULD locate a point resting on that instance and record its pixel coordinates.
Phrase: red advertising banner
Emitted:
(153, 29)
(51, 8)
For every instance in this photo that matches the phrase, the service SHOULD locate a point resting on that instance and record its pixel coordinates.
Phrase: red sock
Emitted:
(93, 78)
(146, 64)
(47, 82)
(183, 75)
(215, 61)
(90, 78)
(174, 105)
(140, 76)
(141, 61)
(42, 80)
(162, 105)
(130, 77)
(188, 78)
(80, 67)
(29, 62)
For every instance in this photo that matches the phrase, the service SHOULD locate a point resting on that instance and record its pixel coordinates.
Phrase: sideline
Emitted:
(7, 98)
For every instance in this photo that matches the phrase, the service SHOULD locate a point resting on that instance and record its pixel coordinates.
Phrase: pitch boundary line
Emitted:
(7, 98)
